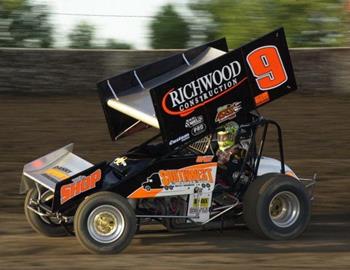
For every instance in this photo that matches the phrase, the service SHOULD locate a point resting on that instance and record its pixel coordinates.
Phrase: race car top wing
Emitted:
(224, 89)
(126, 98)
(191, 94)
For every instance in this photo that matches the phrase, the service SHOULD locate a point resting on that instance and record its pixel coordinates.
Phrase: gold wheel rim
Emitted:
(105, 223)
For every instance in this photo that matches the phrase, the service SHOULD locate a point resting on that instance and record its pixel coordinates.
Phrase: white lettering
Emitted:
(234, 71)
(196, 87)
(185, 92)
(217, 79)
(228, 73)
(206, 81)
(205, 87)
(174, 98)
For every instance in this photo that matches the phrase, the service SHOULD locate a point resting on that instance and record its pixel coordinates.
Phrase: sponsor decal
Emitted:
(227, 112)
(184, 100)
(80, 185)
(182, 138)
(120, 161)
(165, 182)
(262, 98)
(199, 206)
(201, 173)
(195, 210)
(188, 175)
(57, 172)
(204, 202)
(169, 178)
(267, 67)
(204, 159)
(194, 121)
(199, 129)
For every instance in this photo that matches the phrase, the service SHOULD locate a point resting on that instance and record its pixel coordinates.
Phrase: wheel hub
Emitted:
(284, 209)
(106, 224)
(276, 207)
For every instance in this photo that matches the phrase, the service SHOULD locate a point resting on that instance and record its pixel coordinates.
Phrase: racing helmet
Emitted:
(226, 138)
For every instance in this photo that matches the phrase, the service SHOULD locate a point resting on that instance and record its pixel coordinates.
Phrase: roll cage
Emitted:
(253, 154)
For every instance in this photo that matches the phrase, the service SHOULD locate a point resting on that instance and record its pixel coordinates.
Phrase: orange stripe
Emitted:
(143, 193)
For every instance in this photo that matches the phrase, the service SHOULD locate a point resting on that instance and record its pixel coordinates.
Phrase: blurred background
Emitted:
(160, 24)
(52, 53)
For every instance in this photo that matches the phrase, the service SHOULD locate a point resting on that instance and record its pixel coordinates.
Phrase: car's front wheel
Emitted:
(105, 223)
(277, 207)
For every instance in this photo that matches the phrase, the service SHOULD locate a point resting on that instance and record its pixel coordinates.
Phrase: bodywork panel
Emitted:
(53, 168)
(271, 165)
(77, 187)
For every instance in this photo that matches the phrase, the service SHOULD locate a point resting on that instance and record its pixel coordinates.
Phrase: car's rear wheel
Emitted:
(105, 223)
(277, 207)
(43, 225)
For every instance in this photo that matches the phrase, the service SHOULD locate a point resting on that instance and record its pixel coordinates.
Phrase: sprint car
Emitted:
(175, 178)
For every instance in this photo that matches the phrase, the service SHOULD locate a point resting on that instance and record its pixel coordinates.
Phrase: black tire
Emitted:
(39, 224)
(260, 218)
(85, 233)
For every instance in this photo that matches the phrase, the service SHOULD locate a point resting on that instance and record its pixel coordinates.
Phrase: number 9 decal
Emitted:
(267, 67)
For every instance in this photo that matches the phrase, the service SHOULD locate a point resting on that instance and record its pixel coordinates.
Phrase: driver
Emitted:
(227, 143)
(230, 151)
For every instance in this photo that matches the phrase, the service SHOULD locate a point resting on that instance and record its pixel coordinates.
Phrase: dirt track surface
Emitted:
(323, 246)
(316, 133)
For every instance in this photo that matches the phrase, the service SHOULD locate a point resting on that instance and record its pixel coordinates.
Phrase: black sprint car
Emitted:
(184, 177)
